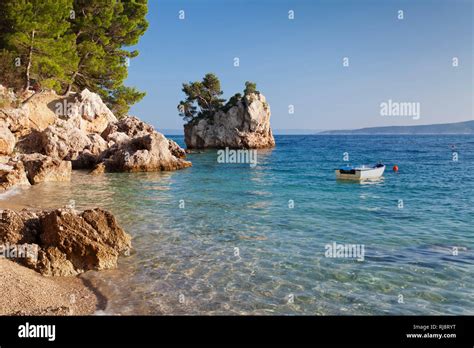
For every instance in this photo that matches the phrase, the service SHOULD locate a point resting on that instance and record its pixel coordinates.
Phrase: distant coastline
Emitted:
(466, 127)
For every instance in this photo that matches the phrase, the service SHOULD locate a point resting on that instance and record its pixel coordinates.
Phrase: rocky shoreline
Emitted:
(43, 137)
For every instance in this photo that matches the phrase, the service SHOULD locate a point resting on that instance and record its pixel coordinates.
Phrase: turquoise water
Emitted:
(236, 247)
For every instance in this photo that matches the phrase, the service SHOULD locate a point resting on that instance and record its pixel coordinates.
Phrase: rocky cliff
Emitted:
(44, 136)
(245, 125)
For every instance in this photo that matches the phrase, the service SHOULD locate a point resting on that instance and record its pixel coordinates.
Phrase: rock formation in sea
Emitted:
(43, 136)
(245, 125)
(64, 242)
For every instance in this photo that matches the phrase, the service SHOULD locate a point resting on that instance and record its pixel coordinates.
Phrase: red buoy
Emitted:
(395, 168)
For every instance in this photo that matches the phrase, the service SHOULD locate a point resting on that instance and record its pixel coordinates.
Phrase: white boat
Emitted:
(360, 172)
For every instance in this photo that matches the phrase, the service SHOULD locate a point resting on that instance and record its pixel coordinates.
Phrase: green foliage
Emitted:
(122, 98)
(11, 73)
(102, 28)
(69, 45)
(202, 98)
(37, 33)
(250, 87)
(232, 101)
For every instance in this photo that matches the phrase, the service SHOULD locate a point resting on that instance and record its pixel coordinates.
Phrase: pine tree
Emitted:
(250, 87)
(203, 98)
(102, 29)
(37, 32)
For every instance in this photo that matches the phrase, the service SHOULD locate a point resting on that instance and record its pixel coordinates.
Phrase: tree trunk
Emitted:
(30, 56)
(73, 77)
(69, 87)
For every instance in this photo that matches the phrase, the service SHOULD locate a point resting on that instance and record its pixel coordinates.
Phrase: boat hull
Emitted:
(361, 174)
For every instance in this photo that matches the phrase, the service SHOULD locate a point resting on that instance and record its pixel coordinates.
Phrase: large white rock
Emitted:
(245, 125)
(136, 147)
(63, 141)
(89, 112)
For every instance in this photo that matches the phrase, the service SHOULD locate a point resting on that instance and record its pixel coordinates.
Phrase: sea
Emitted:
(283, 236)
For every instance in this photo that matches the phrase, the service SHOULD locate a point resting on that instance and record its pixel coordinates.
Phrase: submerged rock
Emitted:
(245, 125)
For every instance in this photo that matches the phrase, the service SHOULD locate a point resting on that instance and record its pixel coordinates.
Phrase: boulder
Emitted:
(52, 262)
(12, 114)
(89, 157)
(81, 129)
(176, 150)
(7, 140)
(144, 153)
(117, 138)
(41, 168)
(17, 120)
(63, 141)
(88, 112)
(32, 142)
(13, 174)
(131, 126)
(245, 125)
(66, 241)
(40, 109)
(18, 227)
(91, 240)
(134, 146)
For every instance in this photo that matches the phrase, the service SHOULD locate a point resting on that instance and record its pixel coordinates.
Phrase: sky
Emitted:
(299, 61)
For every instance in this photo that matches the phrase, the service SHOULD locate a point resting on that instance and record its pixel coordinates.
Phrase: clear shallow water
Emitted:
(185, 262)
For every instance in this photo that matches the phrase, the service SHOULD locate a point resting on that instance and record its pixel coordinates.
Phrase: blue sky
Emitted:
(299, 61)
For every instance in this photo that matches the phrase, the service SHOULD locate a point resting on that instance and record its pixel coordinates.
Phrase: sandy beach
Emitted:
(26, 292)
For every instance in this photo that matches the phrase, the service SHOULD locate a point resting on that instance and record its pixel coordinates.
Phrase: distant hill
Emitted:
(445, 128)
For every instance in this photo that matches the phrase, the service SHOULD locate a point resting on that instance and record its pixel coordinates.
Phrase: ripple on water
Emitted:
(239, 247)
